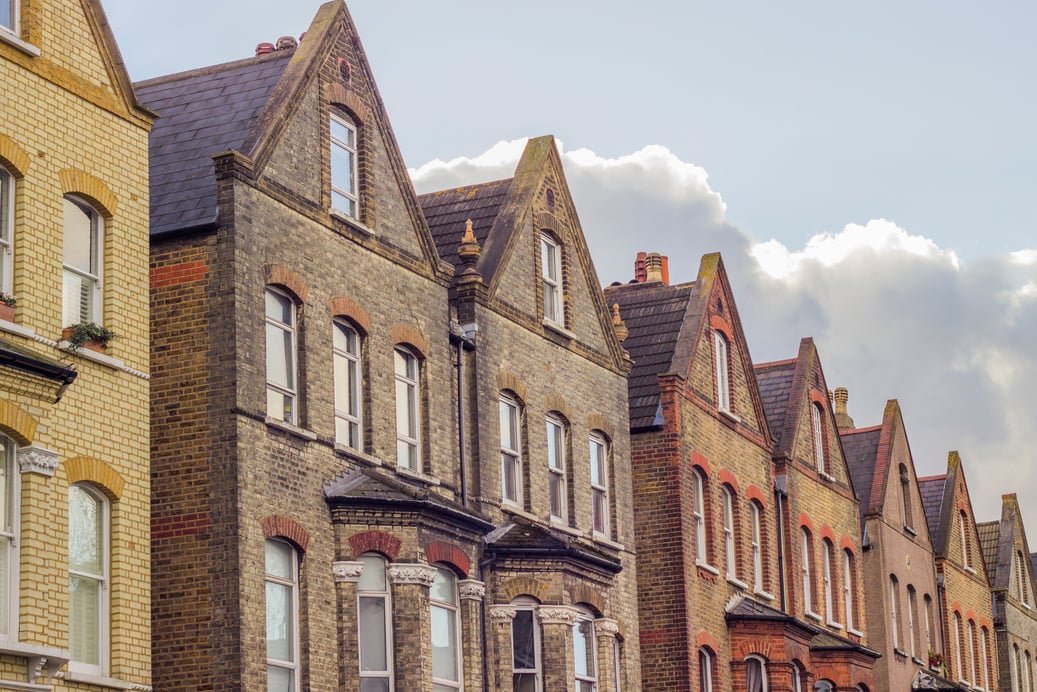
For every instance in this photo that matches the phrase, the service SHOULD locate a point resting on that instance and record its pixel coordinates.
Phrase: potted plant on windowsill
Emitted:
(7, 303)
(89, 334)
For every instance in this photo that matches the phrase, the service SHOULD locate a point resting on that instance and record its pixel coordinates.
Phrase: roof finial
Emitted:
(469, 250)
(617, 323)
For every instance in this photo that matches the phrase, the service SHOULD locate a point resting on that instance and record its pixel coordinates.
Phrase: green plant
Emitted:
(85, 332)
(8, 299)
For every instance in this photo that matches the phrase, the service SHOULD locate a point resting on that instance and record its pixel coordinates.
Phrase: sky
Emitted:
(866, 169)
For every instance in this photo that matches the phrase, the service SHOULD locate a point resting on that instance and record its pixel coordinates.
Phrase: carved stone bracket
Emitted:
(557, 615)
(347, 571)
(471, 590)
(34, 459)
(606, 627)
(416, 573)
(502, 613)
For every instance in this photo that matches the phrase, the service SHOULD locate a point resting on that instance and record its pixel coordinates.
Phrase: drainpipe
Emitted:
(780, 494)
(464, 338)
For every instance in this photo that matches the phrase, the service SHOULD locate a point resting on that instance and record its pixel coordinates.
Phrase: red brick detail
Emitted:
(525, 586)
(178, 274)
(704, 638)
(581, 593)
(179, 525)
(348, 99)
(826, 532)
(280, 275)
(722, 325)
(284, 527)
(754, 493)
(983, 622)
(804, 520)
(956, 607)
(970, 614)
(438, 551)
(405, 334)
(846, 544)
(375, 542)
(700, 461)
(340, 306)
(819, 398)
(729, 478)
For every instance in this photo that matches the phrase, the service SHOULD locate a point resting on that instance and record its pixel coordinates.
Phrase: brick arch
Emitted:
(280, 275)
(754, 647)
(77, 182)
(820, 398)
(700, 461)
(447, 553)
(754, 494)
(721, 324)
(339, 95)
(278, 526)
(984, 623)
(406, 334)
(340, 306)
(846, 544)
(90, 470)
(704, 638)
(524, 586)
(596, 421)
(826, 532)
(13, 157)
(510, 381)
(545, 220)
(17, 422)
(375, 542)
(956, 607)
(970, 614)
(804, 520)
(559, 405)
(728, 478)
(581, 593)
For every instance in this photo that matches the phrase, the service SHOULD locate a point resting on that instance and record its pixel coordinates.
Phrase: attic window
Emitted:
(343, 165)
(723, 380)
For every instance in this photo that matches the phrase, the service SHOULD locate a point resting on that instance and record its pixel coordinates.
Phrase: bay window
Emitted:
(585, 652)
(527, 667)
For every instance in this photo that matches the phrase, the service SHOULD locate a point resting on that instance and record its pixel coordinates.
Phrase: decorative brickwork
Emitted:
(280, 275)
(438, 551)
(13, 157)
(75, 181)
(88, 469)
(340, 306)
(286, 527)
(375, 541)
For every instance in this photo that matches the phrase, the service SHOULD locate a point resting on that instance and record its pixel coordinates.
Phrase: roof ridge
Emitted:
(486, 183)
(854, 431)
(775, 363)
(213, 69)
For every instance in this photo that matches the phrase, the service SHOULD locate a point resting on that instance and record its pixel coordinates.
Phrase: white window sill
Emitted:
(707, 567)
(834, 625)
(814, 616)
(730, 416)
(825, 476)
(899, 653)
(856, 633)
(290, 429)
(417, 475)
(910, 530)
(736, 582)
(103, 681)
(94, 356)
(917, 661)
(27, 48)
(970, 570)
(605, 540)
(357, 455)
(351, 220)
(31, 687)
(1026, 605)
(555, 327)
(765, 595)
(13, 328)
(38, 656)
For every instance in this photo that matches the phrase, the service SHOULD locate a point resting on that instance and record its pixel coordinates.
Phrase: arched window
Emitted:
(408, 409)
(446, 632)
(585, 652)
(705, 670)
(1013, 668)
(720, 347)
(905, 497)
(10, 515)
(282, 616)
(1027, 669)
(600, 520)
(797, 678)
(894, 600)
(755, 674)
(806, 569)
(929, 625)
(343, 165)
(823, 686)
(698, 510)
(966, 557)
(281, 356)
(849, 588)
(730, 560)
(510, 450)
(374, 625)
(826, 575)
(912, 621)
(348, 381)
(557, 467)
(756, 545)
(88, 559)
(551, 279)
(970, 646)
(83, 263)
(6, 224)
(959, 669)
(527, 665)
(817, 424)
(984, 657)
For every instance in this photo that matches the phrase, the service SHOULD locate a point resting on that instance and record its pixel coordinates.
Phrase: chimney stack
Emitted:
(656, 268)
(842, 418)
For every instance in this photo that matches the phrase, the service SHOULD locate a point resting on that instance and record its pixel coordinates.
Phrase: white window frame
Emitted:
(757, 660)
(817, 425)
(408, 401)
(698, 511)
(617, 667)
(958, 668)
(92, 276)
(705, 670)
(966, 560)
(10, 533)
(528, 605)
(805, 570)
(557, 435)
(912, 620)
(756, 540)
(848, 584)
(7, 220)
(351, 196)
(720, 350)
(599, 462)
(826, 573)
(102, 580)
(14, 27)
(453, 611)
(292, 584)
(983, 657)
(287, 395)
(970, 629)
(797, 678)
(551, 279)
(349, 413)
(727, 503)
(894, 597)
(927, 600)
(511, 475)
(384, 595)
(585, 620)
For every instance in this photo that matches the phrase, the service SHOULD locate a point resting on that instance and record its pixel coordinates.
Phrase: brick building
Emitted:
(74, 563)
(1006, 554)
(374, 469)
(898, 555)
(961, 577)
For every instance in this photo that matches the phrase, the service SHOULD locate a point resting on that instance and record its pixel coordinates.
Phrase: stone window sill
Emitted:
(558, 329)
(39, 657)
(728, 415)
(356, 455)
(417, 475)
(765, 595)
(707, 567)
(814, 616)
(606, 541)
(103, 681)
(281, 425)
(856, 633)
(13, 328)
(351, 221)
(736, 582)
(27, 48)
(108, 361)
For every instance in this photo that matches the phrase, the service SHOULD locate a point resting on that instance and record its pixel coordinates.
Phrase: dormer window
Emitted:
(723, 382)
(551, 275)
(343, 165)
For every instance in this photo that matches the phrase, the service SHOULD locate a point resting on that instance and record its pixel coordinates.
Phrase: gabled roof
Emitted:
(932, 489)
(203, 112)
(784, 384)
(998, 541)
(525, 539)
(775, 382)
(939, 514)
(861, 447)
(447, 211)
(989, 533)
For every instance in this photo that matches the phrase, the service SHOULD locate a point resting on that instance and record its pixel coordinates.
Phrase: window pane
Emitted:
(507, 463)
(77, 304)
(406, 455)
(583, 650)
(7, 501)
(372, 628)
(342, 133)
(374, 684)
(280, 560)
(373, 576)
(523, 641)
(556, 489)
(444, 643)
(279, 680)
(279, 307)
(343, 203)
(405, 409)
(279, 368)
(7, 13)
(85, 526)
(548, 261)
(79, 247)
(443, 589)
(550, 302)
(342, 169)
(597, 464)
(279, 622)
(599, 511)
(524, 682)
(85, 619)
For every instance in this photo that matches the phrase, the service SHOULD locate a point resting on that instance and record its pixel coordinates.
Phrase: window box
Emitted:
(7, 304)
(87, 334)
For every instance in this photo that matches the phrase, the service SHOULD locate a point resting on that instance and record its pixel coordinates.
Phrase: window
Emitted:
(1023, 578)
(816, 419)
(88, 579)
(929, 622)
(446, 632)
(797, 678)
(526, 666)
(984, 661)
(10, 494)
(408, 426)
(912, 621)
(556, 446)
(282, 617)
(848, 588)
(1028, 684)
(6, 211)
(585, 653)
(823, 686)
(705, 671)
(966, 558)
(894, 598)
(9, 15)
(346, 353)
(374, 626)
(343, 166)
(905, 496)
(698, 509)
(805, 570)
(81, 289)
(617, 659)
(755, 674)
(970, 647)
(757, 546)
(599, 484)
(730, 562)
(826, 568)
(723, 384)
(510, 454)
(551, 278)
(280, 356)
(958, 669)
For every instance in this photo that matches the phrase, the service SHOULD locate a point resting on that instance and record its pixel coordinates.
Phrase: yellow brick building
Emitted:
(74, 442)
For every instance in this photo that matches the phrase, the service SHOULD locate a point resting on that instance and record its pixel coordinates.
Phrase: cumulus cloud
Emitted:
(894, 314)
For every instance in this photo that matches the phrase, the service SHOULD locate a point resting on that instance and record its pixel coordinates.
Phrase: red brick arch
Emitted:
(804, 520)
(280, 275)
(753, 493)
(826, 532)
(340, 306)
(278, 526)
(706, 639)
(729, 478)
(846, 544)
(447, 553)
(375, 542)
(819, 398)
(408, 335)
(722, 325)
(700, 461)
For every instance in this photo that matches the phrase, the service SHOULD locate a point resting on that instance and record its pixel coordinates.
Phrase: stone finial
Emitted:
(617, 323)
(469, 250)
(842, 418)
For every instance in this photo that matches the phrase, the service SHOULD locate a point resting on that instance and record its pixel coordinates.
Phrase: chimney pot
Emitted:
(639, 268)
(653, 267)
(264, 48)
(286, 43)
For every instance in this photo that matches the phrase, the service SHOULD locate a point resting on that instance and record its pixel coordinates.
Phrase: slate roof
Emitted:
(861, 447)
(989, 534)
(521, 537)
(447, 210)
(654, 314)
(202, 112)
(775, 384)
(931, 489)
